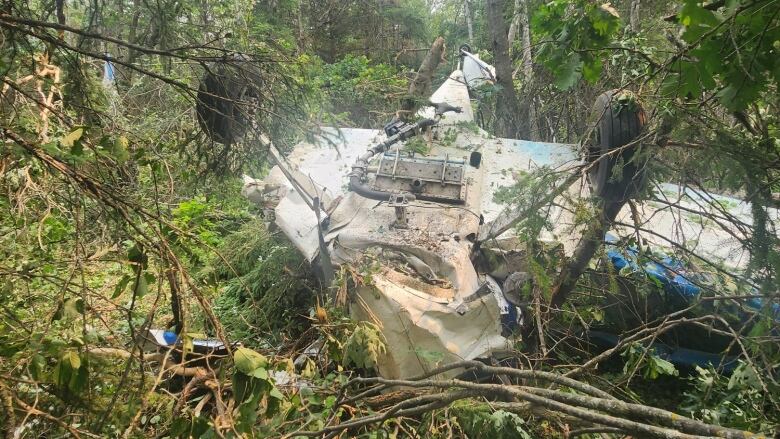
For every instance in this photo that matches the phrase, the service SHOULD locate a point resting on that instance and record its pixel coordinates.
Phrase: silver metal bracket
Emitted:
(439, 179)
(400, 203)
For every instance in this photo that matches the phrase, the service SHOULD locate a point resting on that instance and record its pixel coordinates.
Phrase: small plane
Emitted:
(413, 205)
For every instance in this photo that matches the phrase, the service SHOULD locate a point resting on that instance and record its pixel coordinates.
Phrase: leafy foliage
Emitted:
(265, 285)
(361, 89)
(578, 30)
(117, 215)
(737, 401)
(478, 420)
(530, 192)
(364, 346)
(646, 361)
(749, 69)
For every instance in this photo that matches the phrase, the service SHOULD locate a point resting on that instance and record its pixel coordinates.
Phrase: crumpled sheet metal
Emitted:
(360, 224)
(321, 168)
(422, 332)
(301, 226)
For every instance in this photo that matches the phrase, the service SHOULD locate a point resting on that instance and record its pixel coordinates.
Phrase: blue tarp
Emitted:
(682, 358)
(674, 275)
(668, 271)
(682, 280)
(108, 70)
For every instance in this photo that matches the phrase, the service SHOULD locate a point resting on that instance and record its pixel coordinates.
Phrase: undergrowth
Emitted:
(263, 285)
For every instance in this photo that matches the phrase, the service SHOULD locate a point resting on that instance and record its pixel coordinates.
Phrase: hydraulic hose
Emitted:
(361, 164)
(364, 191)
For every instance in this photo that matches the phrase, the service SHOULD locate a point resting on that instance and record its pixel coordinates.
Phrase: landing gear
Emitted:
(617, 170)
(617, 173)
(227, 97)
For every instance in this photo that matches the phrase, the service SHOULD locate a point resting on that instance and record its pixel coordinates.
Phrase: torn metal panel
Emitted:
(424, 331)
(359, 225)
(505, 160)
(297, 221)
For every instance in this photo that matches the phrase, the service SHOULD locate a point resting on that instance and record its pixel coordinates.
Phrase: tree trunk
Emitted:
(508, 124)
(420, 88)
(178, 320)
(758, 184)
(590, 242)
(762, 240)
(528, 70)
(60, 7)
(469, 25)
(514, 26)
(634, 16)
(301, 30)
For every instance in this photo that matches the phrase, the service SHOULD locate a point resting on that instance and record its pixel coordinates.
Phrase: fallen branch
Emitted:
(591, 404)
(41, 414)
(420, 87)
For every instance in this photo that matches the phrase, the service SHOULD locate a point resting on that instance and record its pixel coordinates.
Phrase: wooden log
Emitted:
(420, 88)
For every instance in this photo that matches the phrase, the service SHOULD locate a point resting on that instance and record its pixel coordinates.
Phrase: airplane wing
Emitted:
(671, 218)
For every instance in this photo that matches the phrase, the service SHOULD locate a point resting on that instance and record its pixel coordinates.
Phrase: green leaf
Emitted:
(274, 401)
(744, 376)
(260, 373)
(364, 346)
(686, 83)
(69, 309)
(69, 140)
(247, 412)
(606, 20)
(54, 345)
(141, 287)
(71, 360)
(659, 366)
(120, 287)
(598, 314)
(60, 376)
(77, 149)
(78, 380)
(329, 402)
(51, 148)
(247, 361)
(568, 73)
(706, 79)
(37, 366)
(591, 70)
(70, 373)
(762, 327)
(184, 427)
(136, 255)
(696, 20)
(275, 393)
(241, 388)
(119, 149)
(740, 92)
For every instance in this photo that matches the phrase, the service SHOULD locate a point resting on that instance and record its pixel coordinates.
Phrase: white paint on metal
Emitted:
(455, 93)
(476, 71)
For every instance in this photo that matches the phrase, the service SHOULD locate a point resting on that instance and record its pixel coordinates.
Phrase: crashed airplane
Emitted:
(419, 221)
